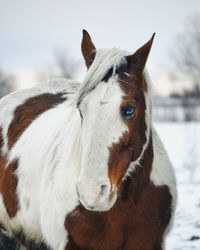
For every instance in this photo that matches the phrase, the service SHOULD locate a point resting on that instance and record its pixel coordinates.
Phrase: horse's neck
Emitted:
(140, 177)
(69, 138)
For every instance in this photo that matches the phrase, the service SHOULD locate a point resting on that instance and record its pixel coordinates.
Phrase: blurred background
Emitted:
(41, 39)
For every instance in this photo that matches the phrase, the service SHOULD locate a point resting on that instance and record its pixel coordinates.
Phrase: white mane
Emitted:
(104, 60)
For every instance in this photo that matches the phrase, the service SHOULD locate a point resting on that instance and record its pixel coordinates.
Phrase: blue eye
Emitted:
(128, 112)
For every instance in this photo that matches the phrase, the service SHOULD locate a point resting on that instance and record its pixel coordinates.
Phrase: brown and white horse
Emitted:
(81, 165)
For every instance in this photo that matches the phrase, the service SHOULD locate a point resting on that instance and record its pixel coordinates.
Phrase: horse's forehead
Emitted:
(107, 93)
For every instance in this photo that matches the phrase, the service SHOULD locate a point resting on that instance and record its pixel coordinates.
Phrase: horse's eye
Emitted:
(128, 112)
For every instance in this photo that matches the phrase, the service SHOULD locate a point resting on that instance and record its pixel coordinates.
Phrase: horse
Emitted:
(81, 164)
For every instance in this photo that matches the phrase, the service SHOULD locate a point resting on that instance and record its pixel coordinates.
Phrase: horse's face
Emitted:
(102, 126)
(113, 132)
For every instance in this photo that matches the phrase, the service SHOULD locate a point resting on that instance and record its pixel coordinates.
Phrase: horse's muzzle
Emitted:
(100, 198)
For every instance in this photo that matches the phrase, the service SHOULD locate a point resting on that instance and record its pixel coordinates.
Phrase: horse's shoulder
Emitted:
(162, 173)
(17, 111)
(162, 170)
(20, 108)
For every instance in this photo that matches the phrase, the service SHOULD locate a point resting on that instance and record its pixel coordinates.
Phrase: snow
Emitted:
(182, 141)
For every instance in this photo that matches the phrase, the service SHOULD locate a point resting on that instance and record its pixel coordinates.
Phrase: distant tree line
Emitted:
(186, 58)
(63, 67)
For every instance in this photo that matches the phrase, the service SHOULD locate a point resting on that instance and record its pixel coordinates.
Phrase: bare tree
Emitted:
(186, 70)
(186, 57)
(63, 66)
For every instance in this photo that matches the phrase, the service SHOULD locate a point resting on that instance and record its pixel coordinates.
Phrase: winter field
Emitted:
(182, 141)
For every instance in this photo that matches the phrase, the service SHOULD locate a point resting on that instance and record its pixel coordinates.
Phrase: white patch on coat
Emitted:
(36, 140)
(100, 107)
(102, 126)
(48, 153)
(148, 121)
(9, 103)
(162, 173)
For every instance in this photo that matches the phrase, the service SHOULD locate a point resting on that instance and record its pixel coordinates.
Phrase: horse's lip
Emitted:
(99, 207)
(81, 200)
(90, 208)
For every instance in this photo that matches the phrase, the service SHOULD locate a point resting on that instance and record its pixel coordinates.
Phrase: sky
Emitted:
(31, 32)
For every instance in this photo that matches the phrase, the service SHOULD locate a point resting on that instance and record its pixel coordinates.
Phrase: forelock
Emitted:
(105, 60)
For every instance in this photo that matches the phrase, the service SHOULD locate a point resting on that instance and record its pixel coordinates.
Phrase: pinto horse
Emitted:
(81, 165)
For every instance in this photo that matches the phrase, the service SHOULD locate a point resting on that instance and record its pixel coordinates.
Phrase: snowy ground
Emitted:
(182, 141)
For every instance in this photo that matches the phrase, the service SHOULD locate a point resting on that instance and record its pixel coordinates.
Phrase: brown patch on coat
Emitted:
(2, 168)
(8, 182)
(30, 110)
(2, 161)
(1, 140)
(130, 145)
(9, 187)
(2, 164)
(2, 171)
(137, 220)
(23, 116)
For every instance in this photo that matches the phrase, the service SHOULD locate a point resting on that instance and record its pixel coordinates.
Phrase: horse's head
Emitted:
(115, 117)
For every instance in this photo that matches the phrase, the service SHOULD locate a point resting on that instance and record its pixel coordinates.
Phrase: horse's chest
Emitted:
(93, 230)
(99, 233)
(128, 226)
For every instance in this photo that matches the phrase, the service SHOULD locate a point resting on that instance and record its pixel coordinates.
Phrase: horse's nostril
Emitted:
(103, 189)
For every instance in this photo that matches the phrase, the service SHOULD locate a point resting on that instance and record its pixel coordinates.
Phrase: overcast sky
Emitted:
(30, 31)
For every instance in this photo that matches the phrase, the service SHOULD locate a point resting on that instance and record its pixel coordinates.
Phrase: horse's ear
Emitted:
(138, 60)
(88, 49)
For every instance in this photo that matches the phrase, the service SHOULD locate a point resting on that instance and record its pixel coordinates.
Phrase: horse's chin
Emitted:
(101, 207)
